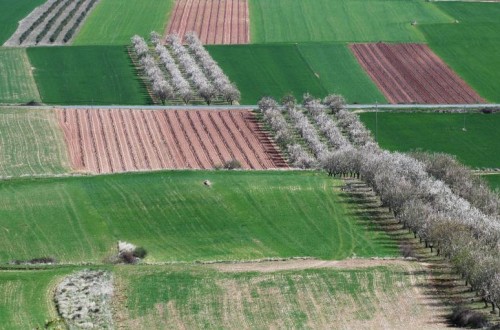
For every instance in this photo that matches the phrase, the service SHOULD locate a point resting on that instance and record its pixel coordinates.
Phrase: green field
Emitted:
(340, 73)
(471, 46)
(114, 22)
(245, 215)
(11, 12)
(17, 84)
(163, 297)
(26, 297)
(31, 143)
(493, 180)
(86, 75)
(477, 146)
(341, 20)
(274, 70)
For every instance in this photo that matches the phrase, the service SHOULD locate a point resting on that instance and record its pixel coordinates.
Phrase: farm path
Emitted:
(254, 106)
(301, 264)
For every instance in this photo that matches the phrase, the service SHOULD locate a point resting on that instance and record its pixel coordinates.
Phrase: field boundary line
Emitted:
(251, 106)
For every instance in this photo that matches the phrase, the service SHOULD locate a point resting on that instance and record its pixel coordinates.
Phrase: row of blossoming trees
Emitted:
(182, 72)
(432, 195)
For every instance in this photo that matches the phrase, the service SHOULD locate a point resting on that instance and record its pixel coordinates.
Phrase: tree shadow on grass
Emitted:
(442, 287)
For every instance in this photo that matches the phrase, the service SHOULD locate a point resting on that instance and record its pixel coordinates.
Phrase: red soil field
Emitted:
(214, 21)
(116, 140)
(412, 73)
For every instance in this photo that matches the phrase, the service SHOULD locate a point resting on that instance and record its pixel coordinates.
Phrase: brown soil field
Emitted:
(109, 141)
(412, 73)
(214, 21)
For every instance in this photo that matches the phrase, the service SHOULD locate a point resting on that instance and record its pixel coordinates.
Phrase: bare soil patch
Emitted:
(300, 264)
(389, 297)
(412, 73)
(214, 21)
(109, 141)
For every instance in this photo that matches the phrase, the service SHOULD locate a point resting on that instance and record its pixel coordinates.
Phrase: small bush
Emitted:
(464, 317)
(128, 257)
(232, 164)
(140, 252)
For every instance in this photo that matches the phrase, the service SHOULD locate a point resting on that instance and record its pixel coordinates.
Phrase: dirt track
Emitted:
(412, 73)
(214, 21)
(300, 264)
(108, 141)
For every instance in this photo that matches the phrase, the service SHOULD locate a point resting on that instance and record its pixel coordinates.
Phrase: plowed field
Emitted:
(412, 73)
(107, 141)
(214, 21)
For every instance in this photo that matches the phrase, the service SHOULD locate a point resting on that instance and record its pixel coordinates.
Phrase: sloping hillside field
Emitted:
(341, 20)
(17, 84)
(476, 146)
(31, 143)
(214, 21)
(412, 73)
(106, 141)
(242, 215)
(274, 70)
(86, 75)
(470, 45)
(27, 297)
(384, 297)
(113, 22)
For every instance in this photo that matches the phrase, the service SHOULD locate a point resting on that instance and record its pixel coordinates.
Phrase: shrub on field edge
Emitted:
(232, 164)
(129, 253)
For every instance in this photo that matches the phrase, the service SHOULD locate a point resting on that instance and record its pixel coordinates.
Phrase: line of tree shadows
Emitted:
(443, 288)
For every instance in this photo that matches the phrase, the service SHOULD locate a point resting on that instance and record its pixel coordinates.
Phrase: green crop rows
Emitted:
(341, 20)
(476, 146)
(274, 70)
(114, 22)
(86, 75)
(245, 215)
(17, 84)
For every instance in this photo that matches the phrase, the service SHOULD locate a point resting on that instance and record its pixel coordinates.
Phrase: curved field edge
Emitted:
(86, 75)
(17, 84)
(387, 296)
(27, 297)
(114, 22)
(476, 146)
(242, 216)
(11, 12)
(32, 143)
